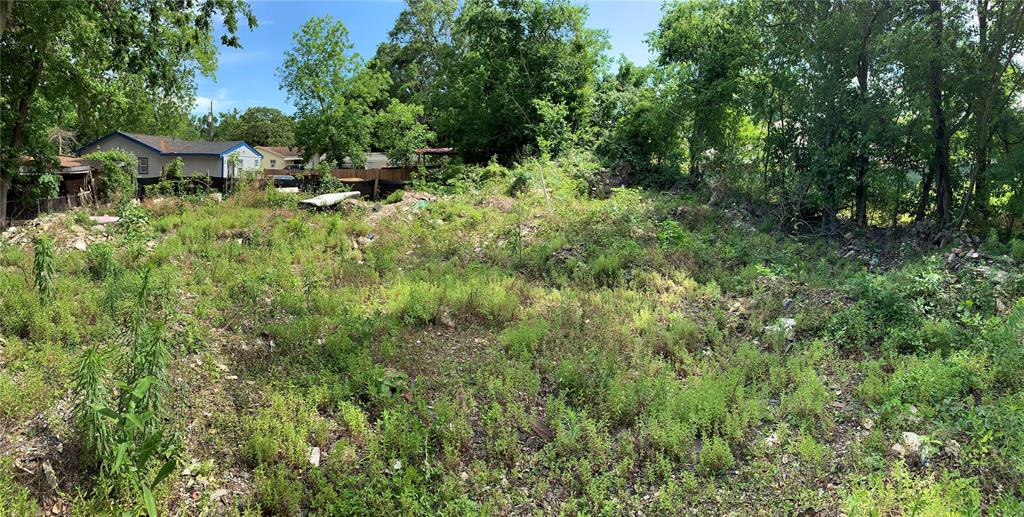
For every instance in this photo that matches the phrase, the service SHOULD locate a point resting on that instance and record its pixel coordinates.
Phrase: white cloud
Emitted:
(221, 100)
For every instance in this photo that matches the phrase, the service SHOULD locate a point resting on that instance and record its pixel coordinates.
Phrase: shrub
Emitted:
(394, 197)
(118, 167)
(101, 261)
(807, 401)
(276, 493)
(715, 456)
(284, 431)
(521, 340)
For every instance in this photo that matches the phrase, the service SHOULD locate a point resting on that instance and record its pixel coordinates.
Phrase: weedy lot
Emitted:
(476, 353)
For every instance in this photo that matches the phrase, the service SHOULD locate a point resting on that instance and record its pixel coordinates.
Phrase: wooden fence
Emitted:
(64, 203)
(386, 174)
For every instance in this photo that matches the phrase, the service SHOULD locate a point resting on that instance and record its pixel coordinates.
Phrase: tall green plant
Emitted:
(121, 426)
(42, 265)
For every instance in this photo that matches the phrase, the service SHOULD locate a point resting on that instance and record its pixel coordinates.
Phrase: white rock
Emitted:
(314, 456)
(912, 441)
(79, 245)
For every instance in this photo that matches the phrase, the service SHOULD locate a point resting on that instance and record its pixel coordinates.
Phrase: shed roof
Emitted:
(283, 150)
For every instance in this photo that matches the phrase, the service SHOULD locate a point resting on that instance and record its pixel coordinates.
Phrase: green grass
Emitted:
(488, 355)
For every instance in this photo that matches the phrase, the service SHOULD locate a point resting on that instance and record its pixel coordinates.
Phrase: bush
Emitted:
(276, 493)
(284, 431)
(102, 263)
(118, 168)
(715, 456)
(521, 340)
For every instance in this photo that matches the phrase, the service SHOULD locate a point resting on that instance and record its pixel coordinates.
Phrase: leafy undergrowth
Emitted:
(476, 353)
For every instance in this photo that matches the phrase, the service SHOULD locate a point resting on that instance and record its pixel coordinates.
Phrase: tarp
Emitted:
(328, 199)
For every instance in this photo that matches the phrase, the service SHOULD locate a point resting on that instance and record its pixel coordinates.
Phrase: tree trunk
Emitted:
(695, 152)
(5, 185)
(926, 193)
(940, 156)
(861, 213)
(6, 11)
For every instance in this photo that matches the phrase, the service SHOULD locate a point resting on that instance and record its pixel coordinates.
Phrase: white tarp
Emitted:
(328, 199)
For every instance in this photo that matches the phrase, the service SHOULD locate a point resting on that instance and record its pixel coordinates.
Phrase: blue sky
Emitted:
(247, 77)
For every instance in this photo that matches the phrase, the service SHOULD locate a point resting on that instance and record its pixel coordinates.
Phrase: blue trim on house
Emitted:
(113, 134)
(241, 145)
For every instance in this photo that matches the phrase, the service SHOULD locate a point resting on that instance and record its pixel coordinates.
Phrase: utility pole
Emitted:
(209, 123)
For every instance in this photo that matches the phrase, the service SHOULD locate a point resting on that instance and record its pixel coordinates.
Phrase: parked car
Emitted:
(293, 167)
(283, 180)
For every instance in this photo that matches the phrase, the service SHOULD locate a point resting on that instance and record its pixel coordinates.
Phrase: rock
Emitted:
(1000, 306)
(787, 304)
(397, 465)
(50, 476)
(217, 197)
(787, 326)
(464, 476)
(848, 236)
(912, 441)
(898, 450)
(104, 219)
(218, 494)
(850, 254)
(772, 439)
(314, 456)
(867, 423)
(952, 448)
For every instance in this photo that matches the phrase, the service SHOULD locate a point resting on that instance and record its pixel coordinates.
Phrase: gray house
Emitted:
(199, 158)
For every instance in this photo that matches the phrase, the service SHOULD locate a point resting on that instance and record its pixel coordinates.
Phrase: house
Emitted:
(374, 160)
(199, 158)
(277, 157)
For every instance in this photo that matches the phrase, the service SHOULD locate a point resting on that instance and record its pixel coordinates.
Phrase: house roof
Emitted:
(282, 150)
(172, 146)
(168, 145)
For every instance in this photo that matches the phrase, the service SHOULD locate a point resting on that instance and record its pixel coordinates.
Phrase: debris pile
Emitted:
(411, 203)
(68, 232)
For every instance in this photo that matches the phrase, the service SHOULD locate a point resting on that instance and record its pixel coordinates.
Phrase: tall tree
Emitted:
(506, 54)
(333, 91)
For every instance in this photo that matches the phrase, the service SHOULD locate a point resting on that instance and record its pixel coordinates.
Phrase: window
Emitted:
(143, 166)
(273, 164)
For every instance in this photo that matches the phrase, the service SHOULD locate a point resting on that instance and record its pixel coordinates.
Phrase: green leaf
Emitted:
(134, 420)
(109, 413)
(122, 449)
(147, 496)
(142, 386)
(165, 471)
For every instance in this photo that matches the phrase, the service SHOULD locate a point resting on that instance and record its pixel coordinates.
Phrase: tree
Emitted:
(417, 49)
(503, 57)
(70, 61)
(333, 91)
(711, 41)
(257, 126)
(398, 132)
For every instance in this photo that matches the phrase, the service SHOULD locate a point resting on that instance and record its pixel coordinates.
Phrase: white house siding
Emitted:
(192, 165)
(250, 160)
(156, 161)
